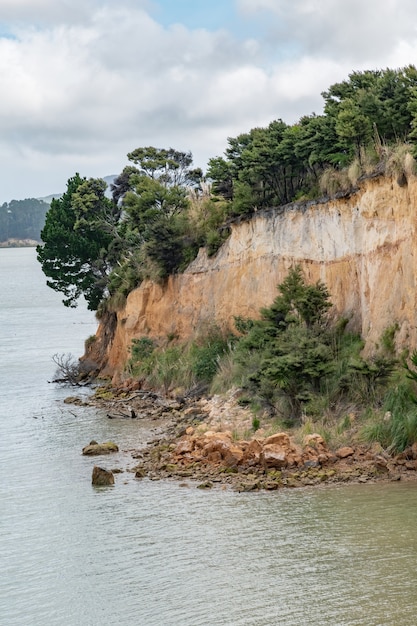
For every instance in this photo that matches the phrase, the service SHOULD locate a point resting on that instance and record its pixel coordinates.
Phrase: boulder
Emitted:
(273, 455)
(102, 477)
(217, 445)
(345, 452)
(279, 451)
(279, 439)
(315, 441)
(252, 452)
(185, 446)
(94, 448)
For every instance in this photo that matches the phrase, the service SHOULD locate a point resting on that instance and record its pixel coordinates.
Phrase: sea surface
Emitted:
(146, 553)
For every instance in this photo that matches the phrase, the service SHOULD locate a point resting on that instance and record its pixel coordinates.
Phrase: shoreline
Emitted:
(196, 443)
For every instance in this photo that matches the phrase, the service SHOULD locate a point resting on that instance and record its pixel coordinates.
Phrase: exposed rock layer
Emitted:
(363, 247)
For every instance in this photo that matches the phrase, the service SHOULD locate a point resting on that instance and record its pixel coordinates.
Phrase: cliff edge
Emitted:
(362, 246)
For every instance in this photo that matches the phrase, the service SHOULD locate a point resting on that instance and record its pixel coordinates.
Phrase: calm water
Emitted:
(154, 553)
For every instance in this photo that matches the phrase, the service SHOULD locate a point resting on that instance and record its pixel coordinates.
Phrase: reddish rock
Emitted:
(315, 441)
(252, 452)
(214, 457)
(221, 443)
(185, 446)
(323, 458)
(279, 439)
(273, 456)
(345, 452)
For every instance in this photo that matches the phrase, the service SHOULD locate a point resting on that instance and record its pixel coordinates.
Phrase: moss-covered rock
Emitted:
(95, 449)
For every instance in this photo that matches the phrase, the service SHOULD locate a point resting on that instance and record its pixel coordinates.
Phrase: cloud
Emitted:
(353, 30)
(121, 80)
(79, 91)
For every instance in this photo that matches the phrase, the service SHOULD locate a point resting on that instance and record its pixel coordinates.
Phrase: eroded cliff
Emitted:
(363, 247)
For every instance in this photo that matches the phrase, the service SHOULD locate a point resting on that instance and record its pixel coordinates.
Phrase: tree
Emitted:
(77, 239)
(170, 167)
(22, 219)
(353, 125)
(123, 183)
(220, 172)
(289, 348)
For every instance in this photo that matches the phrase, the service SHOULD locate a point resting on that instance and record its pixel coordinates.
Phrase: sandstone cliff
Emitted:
(363, 247)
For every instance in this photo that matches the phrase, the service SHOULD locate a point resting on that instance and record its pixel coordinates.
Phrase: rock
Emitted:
(94, 448)
(252, 453)
(215, 444)
(185, 446)
(315, 441)
(344, 452)
(102, 477)
(309, 464)
(380, 461)
(273, 456)
(248, 486)
(279, 439)
(74, 400)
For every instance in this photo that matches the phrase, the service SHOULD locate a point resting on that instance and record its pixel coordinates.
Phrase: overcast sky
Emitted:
(84, 82)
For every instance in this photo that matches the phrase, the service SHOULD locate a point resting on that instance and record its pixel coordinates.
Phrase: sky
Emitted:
(84, 82)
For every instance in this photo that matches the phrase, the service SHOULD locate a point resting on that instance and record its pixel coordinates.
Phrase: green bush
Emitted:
(142, 348)
(205, 356)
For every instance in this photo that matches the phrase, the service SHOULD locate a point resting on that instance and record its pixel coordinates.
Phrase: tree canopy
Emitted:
(74, 256)
(95, 245)
(102, 247)
(280, 163)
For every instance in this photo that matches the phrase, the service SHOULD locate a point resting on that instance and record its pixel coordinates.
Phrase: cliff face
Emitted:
(363, 248)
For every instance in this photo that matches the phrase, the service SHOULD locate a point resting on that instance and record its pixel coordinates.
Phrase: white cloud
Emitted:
(80, 91)
(352, 30)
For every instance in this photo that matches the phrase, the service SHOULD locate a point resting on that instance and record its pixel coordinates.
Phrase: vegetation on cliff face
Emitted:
(162, 211)
(295, 363)
(295, 367)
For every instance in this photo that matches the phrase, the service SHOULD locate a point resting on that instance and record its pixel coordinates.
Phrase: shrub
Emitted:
(142, 348)
(206, 354)
(395, 428)
(332, 181)
(400, 163)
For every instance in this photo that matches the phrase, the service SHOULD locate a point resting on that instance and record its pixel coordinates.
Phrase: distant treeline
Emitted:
(22, 219)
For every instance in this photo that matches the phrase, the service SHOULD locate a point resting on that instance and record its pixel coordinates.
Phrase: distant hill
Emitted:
(48, 199)
(24, 219)
(109, 180)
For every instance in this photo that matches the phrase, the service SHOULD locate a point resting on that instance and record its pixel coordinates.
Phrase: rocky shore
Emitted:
(201, 441)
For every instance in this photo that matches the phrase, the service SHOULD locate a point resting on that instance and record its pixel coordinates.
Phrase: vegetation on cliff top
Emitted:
(163, 209)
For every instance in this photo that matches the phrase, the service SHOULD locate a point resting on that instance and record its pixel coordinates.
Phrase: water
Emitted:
(155, 553)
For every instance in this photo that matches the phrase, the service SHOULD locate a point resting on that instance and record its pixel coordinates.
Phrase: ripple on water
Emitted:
(155, 554)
